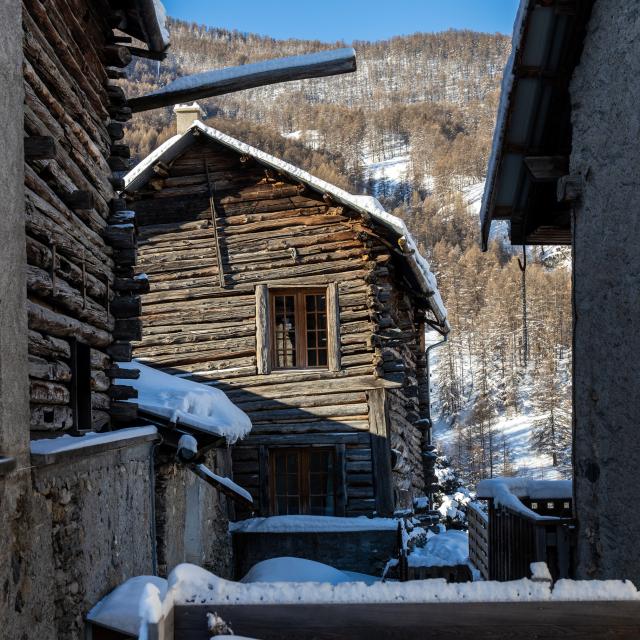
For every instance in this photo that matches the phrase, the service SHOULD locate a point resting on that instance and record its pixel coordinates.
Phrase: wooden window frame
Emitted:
(304, 476)
(302, 353)
(81, 403)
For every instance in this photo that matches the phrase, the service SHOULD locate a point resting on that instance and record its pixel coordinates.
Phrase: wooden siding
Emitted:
(74, 253)
(210, 261)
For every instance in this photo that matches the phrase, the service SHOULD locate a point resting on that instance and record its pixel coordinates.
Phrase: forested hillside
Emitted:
(413, 126)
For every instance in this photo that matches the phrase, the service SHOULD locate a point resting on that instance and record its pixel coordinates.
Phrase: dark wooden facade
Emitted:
(82, 304)
(217, 232)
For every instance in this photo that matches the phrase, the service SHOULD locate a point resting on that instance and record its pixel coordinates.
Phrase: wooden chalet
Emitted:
(305, 304)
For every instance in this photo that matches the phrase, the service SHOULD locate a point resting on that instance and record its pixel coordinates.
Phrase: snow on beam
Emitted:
(231, 79)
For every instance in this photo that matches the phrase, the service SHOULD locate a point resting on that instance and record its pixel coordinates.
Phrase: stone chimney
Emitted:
(186, 114)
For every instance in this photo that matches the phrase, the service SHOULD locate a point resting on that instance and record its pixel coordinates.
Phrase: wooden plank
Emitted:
(39, 148)
(263, 466)
(341, 480)
(294, 68)
(263, 349)
(455, 621)
(333, 327)
(381, 452)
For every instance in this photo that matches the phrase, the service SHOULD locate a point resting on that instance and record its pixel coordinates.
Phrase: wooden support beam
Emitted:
(39, 148)
(381, 451)
(263, 350)
(124, 374)
(79, 200)
(128, 329)
(116, 94)
(249, 76)
(115, 130)
(547, 168)
(121, 236)
(132, 285)
(145, 53)
(117, 56)
(126, 307)
(120, 351)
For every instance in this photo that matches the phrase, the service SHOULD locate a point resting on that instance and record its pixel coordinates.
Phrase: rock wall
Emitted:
(606, 129)
(192, 517)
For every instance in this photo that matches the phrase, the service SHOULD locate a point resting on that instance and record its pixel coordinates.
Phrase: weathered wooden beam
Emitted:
(115, 130)
(39, 148)
(117, 183)
(547, 168)
(263, 350)
(128, 329)
(116, 74)
(126, 306)
(79, 200)
(248, 76)
(117, 163)
(149, 55)
(120, 351)
(117, 56)
(122, 392)
(124, 374)
(121, 236)
(132, 285)
(121, 150)
(123, 411)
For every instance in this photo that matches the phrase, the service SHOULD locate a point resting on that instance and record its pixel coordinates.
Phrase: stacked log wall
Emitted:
(75, 252)
(199, 317)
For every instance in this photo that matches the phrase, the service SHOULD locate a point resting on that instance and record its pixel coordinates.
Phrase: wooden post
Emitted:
(341, 480)
(380, 452)
(263, 360)
(263, 465)
(333, 327)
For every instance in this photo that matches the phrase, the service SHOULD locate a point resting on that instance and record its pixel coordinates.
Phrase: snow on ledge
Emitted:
(309, 524)
(65, 443)
(506, 492)
(189, 403)
(189, 584)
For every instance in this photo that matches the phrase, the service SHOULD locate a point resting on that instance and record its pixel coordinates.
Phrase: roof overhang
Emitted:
(532, 138)
(423, 281)
(145, 20)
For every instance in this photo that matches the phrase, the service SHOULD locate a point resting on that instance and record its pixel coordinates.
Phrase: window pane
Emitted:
(285, 331)
(316, 329)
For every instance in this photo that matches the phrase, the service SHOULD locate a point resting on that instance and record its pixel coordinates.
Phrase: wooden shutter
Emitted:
(333, 327)
(263, 350)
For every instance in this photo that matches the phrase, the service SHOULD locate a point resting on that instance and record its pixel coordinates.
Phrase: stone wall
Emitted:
(192, 518)
(93, 532)
(606, 130)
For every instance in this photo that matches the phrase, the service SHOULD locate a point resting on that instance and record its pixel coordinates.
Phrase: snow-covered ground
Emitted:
(525, 461)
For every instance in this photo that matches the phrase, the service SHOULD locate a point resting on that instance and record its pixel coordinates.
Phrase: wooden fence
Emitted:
(478, 539)
(516, 540)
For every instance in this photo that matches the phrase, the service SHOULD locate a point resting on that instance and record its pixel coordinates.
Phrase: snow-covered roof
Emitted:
(147, 21)
(188, 403)
(366, 205)
(507, 491)
(532, 120)
(307, 524)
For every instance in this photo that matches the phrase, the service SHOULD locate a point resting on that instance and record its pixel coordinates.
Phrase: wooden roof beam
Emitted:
(232, 79)
(547, 168)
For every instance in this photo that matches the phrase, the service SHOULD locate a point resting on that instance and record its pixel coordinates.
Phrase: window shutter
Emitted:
(263, 351)
(333, 327)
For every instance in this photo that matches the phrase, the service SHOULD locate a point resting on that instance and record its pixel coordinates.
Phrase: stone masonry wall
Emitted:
(606, 131)
(192, 518)
(93, 533)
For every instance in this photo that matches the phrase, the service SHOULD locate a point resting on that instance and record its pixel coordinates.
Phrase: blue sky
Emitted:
(347, 20)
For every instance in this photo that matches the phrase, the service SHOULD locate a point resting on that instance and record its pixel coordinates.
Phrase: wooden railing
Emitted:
(516, 540)
(478, 539)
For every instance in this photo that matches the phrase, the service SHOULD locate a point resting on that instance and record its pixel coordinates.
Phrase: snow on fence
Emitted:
(529, 521)
(478, 538)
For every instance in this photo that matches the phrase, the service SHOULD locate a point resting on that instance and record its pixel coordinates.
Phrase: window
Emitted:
(302, 481)
(81, 386)
(299, 328)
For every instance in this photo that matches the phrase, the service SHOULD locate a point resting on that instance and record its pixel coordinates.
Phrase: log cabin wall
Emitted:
(209, 262)
(80, 244)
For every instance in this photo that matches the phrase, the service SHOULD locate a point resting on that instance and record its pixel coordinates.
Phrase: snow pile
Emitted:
(300, 524)
(149, 608)
(506, 492)
(445, 549)
(70, 443)
(189, 584)
(121, 610)
(189, 403)
(229, 74)
(300, 570)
